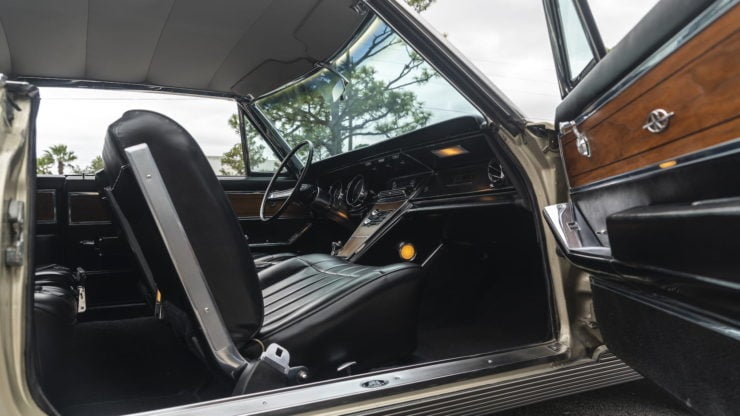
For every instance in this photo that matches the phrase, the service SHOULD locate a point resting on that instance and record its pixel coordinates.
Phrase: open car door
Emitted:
(650, 139)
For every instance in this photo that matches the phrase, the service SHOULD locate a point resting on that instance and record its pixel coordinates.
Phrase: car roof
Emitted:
(237, 47)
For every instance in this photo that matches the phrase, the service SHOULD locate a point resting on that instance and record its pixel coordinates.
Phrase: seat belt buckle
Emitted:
(81, 299)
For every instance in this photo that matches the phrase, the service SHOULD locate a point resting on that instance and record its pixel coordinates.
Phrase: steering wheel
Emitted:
(288, 194)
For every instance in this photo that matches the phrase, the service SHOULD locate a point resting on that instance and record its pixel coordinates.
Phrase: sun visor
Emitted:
(271, 75)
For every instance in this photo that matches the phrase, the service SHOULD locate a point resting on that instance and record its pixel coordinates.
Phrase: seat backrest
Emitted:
(210, 226)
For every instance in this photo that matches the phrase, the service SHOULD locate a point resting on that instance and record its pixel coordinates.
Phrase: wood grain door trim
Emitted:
(246, 206)
(699, 82)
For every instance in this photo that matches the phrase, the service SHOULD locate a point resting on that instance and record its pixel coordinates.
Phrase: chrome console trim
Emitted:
(191, 276)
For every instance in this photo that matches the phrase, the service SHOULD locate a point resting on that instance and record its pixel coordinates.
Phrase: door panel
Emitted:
(654, 211)
(692, 356)
(74, 229)
(697, 83)
(246, 194)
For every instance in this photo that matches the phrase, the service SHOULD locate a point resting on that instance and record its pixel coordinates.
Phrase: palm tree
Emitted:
(43, 164)
(61, 155)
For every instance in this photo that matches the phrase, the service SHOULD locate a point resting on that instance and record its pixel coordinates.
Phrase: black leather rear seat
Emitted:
(55, 314)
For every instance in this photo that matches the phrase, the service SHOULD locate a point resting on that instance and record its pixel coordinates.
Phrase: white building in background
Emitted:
(268, 165)
(215, 162)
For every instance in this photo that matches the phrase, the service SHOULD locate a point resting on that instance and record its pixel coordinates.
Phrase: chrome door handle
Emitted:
(582, 143)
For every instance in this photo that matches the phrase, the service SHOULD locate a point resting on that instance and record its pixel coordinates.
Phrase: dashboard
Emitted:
(445, 166)
(453, 168)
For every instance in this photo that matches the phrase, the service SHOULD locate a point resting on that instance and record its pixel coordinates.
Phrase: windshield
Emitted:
(385, 89)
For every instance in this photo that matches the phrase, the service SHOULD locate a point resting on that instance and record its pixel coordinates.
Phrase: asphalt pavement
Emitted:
(638, 398)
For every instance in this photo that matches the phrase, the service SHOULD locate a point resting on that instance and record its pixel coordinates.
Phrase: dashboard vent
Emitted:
(397, 193)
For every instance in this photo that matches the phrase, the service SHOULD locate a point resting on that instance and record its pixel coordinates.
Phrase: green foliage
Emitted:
(232, 161)
(60, 155)
(95, 165)
(372, 105)
(420, 5)
(43, 164)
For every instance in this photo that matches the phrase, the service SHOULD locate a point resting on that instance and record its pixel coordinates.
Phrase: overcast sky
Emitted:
(506, 39)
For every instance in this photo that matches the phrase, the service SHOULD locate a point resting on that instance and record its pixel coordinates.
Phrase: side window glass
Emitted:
(72, 122)
(577, 48)
(262, 159)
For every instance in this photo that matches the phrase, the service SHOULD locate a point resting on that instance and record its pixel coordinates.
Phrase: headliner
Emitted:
(225, 46)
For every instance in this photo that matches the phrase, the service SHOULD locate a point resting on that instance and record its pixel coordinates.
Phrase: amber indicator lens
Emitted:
(406, 251)
(450, 151)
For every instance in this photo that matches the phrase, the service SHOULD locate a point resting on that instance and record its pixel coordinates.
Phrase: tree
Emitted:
(95, 165)
(372, 104)
(420, 5)
(232, 161)
(43, 164)
(60, 155)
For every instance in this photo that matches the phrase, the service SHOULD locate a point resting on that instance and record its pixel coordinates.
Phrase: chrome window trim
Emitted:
(70, 195)
(53, 193)
(705, 18)
(152, 186)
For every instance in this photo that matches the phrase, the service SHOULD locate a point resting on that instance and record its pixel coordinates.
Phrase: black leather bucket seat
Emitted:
(322, 309)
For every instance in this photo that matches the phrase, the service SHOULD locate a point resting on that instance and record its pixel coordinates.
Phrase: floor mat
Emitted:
(124, 366)
(465, 339)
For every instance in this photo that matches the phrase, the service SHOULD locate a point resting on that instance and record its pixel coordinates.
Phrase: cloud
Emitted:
(508, 41)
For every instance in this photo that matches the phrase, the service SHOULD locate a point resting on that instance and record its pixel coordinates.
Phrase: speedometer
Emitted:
(356, 192)
(336, 194)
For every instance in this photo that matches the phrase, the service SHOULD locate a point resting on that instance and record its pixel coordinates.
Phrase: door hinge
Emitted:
(14, 253)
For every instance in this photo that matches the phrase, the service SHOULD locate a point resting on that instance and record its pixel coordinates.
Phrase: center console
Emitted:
(379, 215)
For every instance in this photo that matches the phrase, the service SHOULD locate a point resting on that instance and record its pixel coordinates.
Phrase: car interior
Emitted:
(472, 283)
(160, 283)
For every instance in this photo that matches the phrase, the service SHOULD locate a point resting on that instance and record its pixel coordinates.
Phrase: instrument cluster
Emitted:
(352, 196)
